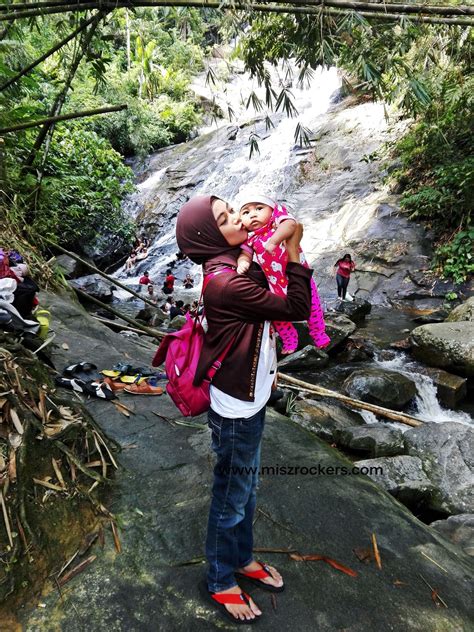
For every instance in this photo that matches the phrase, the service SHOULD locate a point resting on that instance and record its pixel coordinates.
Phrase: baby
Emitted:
(269, 225)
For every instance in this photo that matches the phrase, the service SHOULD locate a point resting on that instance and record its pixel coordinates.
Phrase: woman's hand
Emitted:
(293, 244)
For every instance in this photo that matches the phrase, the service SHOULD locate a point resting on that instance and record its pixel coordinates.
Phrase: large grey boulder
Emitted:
(450, 388)
(447, 453)
(69, 266)
(448, 345)
(356, 310)
(324, 418)
(374, 439)
(309, 358)
(94, 285)
(338, 327)
(464, 312)
(459, 530)
(378, 386)
(402, 476)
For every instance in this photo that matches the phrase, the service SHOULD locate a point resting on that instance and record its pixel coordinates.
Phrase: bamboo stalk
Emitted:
(6, 519)
(354, 4)
(150, 332)
(62, 117)
(117, 325)
(353, 403)
(241, 6)
(48, 53)
(102, 274)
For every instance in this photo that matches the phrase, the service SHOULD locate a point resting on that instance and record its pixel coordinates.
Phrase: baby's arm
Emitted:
(284, 231)
(243, 261)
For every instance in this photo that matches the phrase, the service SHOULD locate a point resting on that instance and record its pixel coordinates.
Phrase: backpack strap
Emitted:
(216, 365)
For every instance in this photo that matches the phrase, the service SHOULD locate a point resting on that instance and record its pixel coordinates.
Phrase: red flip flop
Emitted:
(255, 577)
(220, 599)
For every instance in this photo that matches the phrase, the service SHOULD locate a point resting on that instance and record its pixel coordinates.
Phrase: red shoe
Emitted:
(219, 600)
(143, 389)
(255, 577)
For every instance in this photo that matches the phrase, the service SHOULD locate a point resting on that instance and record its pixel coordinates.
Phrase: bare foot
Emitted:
(275, 580)
(243, 611)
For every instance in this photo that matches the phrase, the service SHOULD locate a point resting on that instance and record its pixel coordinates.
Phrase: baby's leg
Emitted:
(316, 324)
(288, 335)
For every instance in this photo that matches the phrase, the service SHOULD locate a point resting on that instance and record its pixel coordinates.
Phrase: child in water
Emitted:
(269, 225)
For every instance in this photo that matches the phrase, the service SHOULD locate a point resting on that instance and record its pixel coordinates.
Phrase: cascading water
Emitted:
(228, 168)
(427, 405)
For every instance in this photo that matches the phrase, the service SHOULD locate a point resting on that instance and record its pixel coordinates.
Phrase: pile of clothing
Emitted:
(18, 296)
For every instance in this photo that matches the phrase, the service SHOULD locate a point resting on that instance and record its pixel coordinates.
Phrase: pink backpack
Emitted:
(180, 352)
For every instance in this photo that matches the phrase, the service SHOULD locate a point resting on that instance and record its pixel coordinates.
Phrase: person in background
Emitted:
(168, 285)
(188, 282)
(177, 309)
(168, 305)
(151, 296)
(343, 268)
(145, 279)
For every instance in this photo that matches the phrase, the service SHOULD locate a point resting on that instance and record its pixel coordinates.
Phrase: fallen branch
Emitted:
(76, 570)
(353, 403)
(6, 518)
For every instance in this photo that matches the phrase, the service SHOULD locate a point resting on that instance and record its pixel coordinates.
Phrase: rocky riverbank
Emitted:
(161, 500)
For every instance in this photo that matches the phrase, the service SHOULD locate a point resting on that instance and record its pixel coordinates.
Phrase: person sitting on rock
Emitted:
(132, 259)
(177, 310)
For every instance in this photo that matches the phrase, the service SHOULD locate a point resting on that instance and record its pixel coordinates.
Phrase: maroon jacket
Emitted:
(236, 307)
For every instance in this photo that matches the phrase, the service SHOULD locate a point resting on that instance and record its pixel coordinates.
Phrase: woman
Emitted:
(238, 308)
(343, 267)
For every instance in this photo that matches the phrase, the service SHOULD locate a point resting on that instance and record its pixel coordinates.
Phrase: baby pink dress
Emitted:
(274, 267)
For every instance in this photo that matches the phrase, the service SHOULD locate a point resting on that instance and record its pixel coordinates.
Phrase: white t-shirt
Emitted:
(233, 408)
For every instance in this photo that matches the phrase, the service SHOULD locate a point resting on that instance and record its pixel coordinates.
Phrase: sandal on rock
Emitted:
(219, 600)
(72, 384)
(99, 389)
(82, 371)
(256, 577)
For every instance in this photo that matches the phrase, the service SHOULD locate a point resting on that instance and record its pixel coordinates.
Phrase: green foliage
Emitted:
(456, 258)
(82, 189)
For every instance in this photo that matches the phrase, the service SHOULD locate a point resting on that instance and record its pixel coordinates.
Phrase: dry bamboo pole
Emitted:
(47, 54)
(356, 5)
(116, 325)
(146, 330)
(102, 274)
(63, 117)
(242, 6)
(353, 403)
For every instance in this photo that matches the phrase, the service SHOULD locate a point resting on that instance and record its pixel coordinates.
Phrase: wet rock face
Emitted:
(464, 312)
(450, 388)
(402, 476)
(459, 530)
(381, 387)
(448, 345)
(356, 310)
(338, 327)
(375, 440)
(309, 358)
(447, 453)
(324, 418)
(70, 267)
(94, 285)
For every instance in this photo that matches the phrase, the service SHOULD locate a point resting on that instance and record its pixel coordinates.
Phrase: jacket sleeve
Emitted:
(252, 303)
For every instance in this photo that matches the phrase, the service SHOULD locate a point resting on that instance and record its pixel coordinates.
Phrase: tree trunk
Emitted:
(127, 30)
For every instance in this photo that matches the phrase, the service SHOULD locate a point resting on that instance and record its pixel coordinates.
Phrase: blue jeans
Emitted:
(229, 542)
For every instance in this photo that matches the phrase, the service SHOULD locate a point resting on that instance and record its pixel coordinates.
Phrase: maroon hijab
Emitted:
(199, 237)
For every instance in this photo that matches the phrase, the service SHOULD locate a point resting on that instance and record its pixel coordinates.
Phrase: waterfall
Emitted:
(427, 405)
